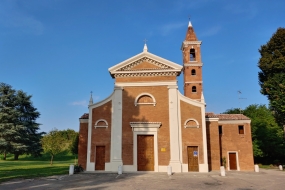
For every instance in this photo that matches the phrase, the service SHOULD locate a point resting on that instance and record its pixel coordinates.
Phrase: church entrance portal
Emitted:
(145, 152)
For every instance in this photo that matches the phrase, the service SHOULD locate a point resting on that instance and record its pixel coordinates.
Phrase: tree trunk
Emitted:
(16, 156)
(4, 158)
(51, 159)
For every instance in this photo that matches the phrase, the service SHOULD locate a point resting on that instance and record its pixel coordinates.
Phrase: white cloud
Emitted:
(211, 31)
(79, 103)
(12, 16)
(247, 9)
(168, 28)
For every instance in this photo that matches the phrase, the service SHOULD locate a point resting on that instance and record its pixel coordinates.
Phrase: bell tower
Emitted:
(192, 65)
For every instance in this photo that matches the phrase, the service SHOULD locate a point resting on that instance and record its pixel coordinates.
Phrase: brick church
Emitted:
(146, 124)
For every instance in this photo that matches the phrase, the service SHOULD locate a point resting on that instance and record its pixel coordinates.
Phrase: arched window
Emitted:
(193, 72)
(194, 89)
(145, 99)
(101, 123)
(192, 55)
(191, 123)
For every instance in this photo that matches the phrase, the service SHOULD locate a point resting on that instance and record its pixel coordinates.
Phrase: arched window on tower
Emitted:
(193, 72)
(192, 54)
(194, 89)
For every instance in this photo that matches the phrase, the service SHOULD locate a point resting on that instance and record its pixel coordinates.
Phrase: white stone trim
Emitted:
(191, 101)
(144, 128)
(145, 94)
(192, 42)
(193, 64)
(83, 120)
(147, 73)
(212, 119)
(102, 102)
(194, 82)
(123, 84)
(90, 166)
(101, 126)
(116, 131)
(174, 131)
(228, 161)
(241, 122)
(189, 126)
(145, 55)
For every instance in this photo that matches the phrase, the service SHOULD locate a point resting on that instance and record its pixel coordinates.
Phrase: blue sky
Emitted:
(60, 50)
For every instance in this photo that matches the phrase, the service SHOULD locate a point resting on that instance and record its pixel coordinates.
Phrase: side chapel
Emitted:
(146, 124)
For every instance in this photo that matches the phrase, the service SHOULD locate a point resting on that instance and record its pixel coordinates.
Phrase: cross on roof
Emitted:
(145, 40)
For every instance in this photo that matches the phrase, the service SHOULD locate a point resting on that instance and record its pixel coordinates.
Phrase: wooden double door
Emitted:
(192, 152)
(100, 158)
(145, 155)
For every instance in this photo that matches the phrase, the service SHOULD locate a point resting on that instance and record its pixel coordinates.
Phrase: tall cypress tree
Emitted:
(272, 74)
(18, 127)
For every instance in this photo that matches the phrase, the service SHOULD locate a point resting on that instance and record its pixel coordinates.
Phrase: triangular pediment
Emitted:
(145, 65)
(143, 62)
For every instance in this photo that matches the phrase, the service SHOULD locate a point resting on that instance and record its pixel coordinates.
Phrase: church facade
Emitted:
(146, 124)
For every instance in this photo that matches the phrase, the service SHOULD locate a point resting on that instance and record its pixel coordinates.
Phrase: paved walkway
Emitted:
(265, 179)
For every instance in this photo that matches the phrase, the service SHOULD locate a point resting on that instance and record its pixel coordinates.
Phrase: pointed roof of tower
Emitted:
(91, 99)
(190, 35)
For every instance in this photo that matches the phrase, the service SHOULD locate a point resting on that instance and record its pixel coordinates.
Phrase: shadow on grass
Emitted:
(30, 169)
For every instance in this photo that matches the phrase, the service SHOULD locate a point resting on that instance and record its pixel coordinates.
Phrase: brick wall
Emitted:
(241, 143)
(82, 144)
(191, 136)
(146, 113)
(213, 145)
(101, 136)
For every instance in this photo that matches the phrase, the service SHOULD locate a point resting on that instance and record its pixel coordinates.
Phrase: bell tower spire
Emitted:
(192, 65)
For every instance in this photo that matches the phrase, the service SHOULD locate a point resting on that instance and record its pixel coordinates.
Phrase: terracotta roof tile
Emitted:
(227, 116)
(85, 116)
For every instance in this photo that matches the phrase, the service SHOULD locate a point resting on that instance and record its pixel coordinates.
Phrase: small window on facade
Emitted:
(240, 129)
(193, 72)
(192, 55)
(194, 89)
(220, 130)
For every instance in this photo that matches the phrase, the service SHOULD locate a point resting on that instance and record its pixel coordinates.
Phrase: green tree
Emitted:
(18, 128)
(52, 143)
(74, 145)
(272, 74)
(267, 136)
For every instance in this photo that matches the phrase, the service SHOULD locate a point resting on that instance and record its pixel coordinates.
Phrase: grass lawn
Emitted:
(29, 167)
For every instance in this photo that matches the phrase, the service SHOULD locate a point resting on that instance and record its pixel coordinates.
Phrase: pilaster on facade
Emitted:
(90, 166)
(175, 159)
(116, 132)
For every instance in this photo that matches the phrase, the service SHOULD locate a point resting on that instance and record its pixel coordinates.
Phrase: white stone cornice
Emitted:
(146, 74)
(192, 42)
(168, 83)
(212, 119)
(145, 125)
(172, 87)
(193, 64)
(83, 120)
(130, 63)
(194, 82)
(234, 121)
(144, 59)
